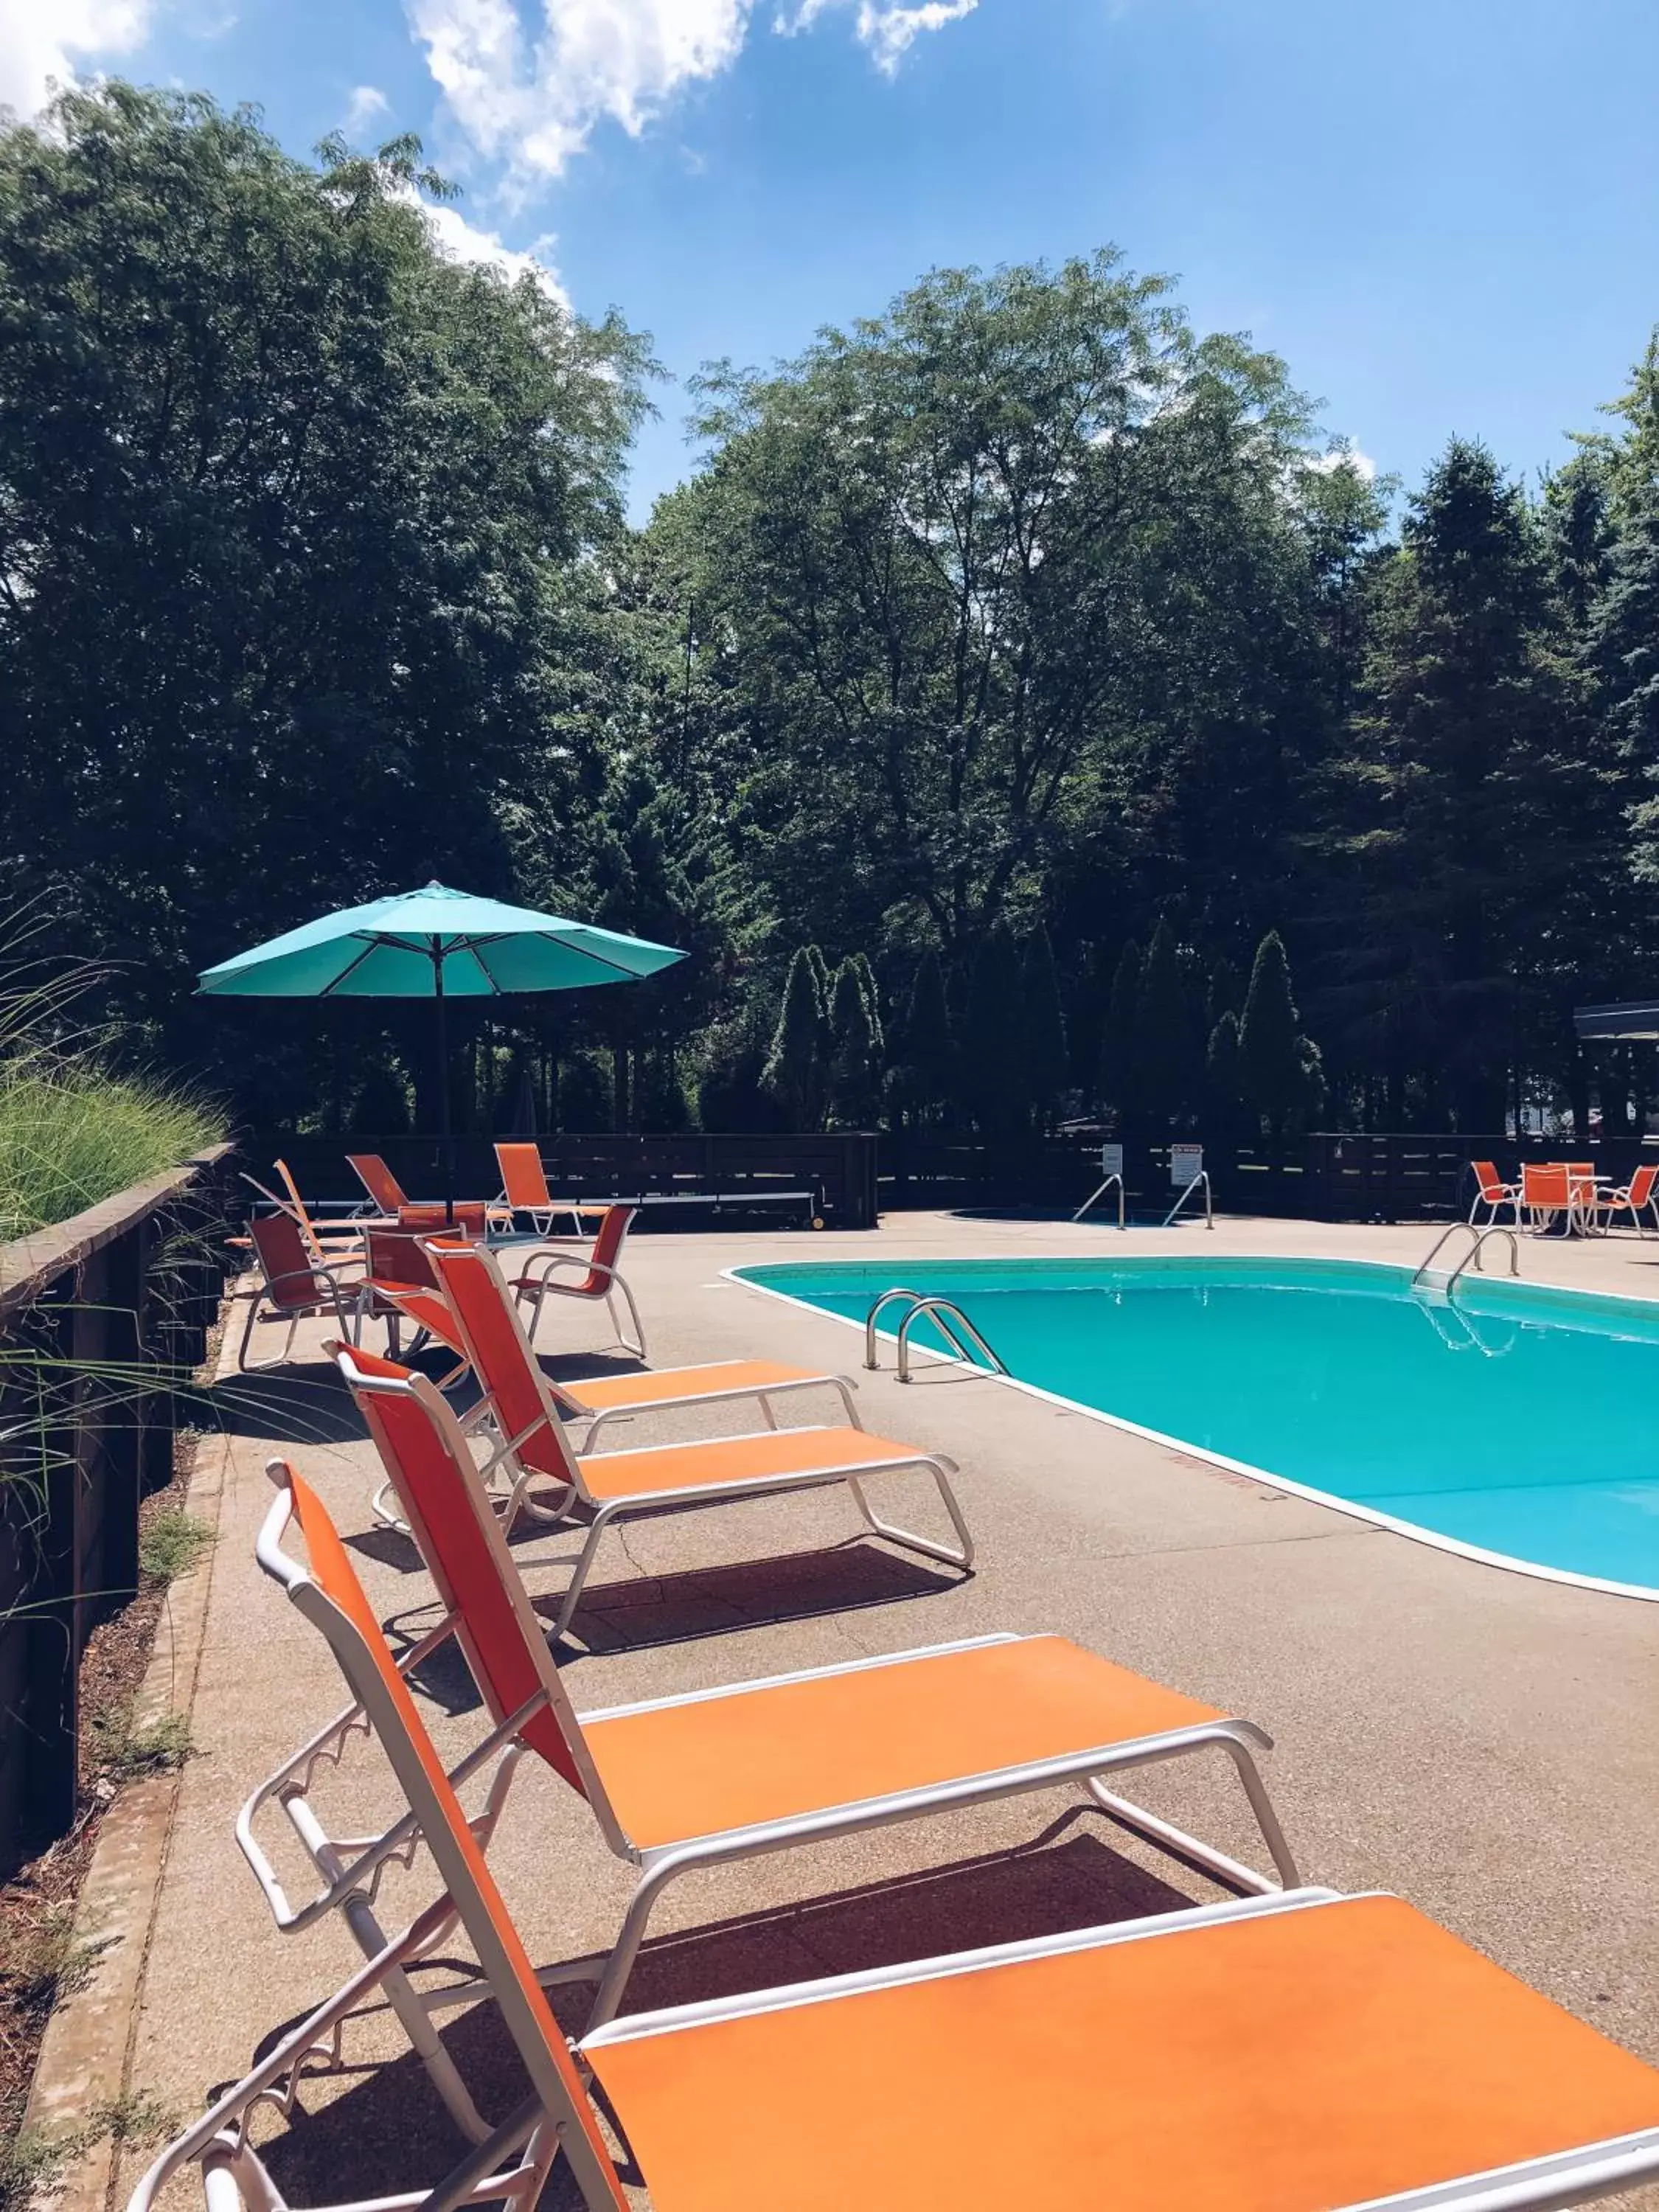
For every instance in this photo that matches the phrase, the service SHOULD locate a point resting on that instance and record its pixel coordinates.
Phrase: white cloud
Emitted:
(366, 101)
(461, 241)
(888, 27)
(532, 98)
(1343, 451)
(43, 40)
(535, 105)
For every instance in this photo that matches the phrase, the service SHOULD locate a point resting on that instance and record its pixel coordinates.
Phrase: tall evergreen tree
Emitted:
(1047, 1060)
(855, 1047)
(996, 1081)
(794, 1069)
(1276, 1062)
(1226, 1115)
(1167, 1043)
(924, 1080)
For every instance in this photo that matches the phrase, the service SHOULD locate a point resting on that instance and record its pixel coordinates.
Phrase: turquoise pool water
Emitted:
(1522, 1422)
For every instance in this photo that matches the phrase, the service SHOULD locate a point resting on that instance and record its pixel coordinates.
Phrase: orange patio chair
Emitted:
(328, 1240)
(610, 1487)
(1638, 1198)
(1586, 1198)
(689, 1783)
(1545, 1194)
(294, 1287)
(1295, 2052)
(1491, 1192)
(598, 1278)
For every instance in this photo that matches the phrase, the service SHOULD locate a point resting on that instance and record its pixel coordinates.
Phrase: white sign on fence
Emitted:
(1111, 1159)
(1186, 1165)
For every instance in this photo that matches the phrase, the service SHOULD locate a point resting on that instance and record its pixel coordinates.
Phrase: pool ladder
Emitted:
(947, 1317)
(1424, 1277)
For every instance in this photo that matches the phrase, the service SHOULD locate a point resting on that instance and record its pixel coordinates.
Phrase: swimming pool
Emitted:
(1521, 1423)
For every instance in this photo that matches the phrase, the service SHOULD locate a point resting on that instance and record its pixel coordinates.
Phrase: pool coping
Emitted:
(1369, 1514)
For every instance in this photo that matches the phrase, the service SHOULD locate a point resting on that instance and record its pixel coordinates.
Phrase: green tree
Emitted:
(996, 1082)
(794, 1072)
(1047, 1060)
(1226, 1115)
(1279, 1067)
(1167, 1044)
(855, 1067)
(290, 505)
(1120, 1048)
(925, 1075)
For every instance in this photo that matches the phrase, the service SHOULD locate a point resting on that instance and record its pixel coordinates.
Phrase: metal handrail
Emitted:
(1478, 1239)
(1095, 1197)
(885, 1299)
(945, 1316)
(1473, 1255)
(1202, 1177)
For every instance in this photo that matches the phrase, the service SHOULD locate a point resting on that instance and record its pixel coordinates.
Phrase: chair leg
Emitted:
(961, 1556)
(580, 1571)
(619, 1283)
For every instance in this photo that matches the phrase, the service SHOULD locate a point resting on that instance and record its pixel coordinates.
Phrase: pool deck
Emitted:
(1482, 1741)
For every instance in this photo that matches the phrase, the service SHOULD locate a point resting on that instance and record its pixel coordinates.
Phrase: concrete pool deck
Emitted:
(1482, 1741)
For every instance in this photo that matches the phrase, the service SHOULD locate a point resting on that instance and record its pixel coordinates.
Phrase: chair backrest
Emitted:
(398, 1255)
(503, 1364)
(1486, 1175)
(1641, 1185)
(377, 1180)
(285, 1259)
(459, 1537)
(1544, 1183)
(524, 1183)
(329, 1594)
(302, 1211)
(466, 1217)
(613, 1235)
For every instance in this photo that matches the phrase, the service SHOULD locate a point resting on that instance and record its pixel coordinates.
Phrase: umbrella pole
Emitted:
(445, 1137)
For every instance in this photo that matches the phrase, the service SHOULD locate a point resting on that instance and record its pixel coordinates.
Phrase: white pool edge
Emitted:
(1369, 1513)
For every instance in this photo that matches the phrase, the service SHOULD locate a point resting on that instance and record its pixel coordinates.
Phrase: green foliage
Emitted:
(1119, 1046)
(126, 1750)
(794, 1072)
(924, 1071)
(381, 1107)
(1048, 1062)
(855, 1047)
(171, 1545)
(995, 1078)
(1226, 1115)
(1273, 1062)
(585, 1094)
(1168, 1047)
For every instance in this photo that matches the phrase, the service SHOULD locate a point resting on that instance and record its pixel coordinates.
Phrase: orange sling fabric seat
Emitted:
(762, 1458)
(701, 1767)
(1303, 2060)
(600, 1394)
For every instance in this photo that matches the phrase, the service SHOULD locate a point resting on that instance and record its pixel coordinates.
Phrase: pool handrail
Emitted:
(1202, 1177)
(1095, 1197)
(946, 1316)
(1479, 1237)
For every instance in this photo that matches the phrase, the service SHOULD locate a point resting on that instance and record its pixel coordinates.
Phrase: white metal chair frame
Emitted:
(504, 1459)
(348, 1864)
(536, 1288)
(511, 2164)
(343, 1299)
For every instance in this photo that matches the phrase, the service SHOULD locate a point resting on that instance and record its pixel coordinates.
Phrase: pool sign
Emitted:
(1111, 1160)
(1186, 1165)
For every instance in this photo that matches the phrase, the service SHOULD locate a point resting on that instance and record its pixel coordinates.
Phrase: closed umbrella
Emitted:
(435, 943)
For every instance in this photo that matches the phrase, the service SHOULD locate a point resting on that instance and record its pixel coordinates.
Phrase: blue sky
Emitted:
(1444, 214)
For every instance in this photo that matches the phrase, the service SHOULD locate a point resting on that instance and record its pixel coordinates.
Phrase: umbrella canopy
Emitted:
(435, 943)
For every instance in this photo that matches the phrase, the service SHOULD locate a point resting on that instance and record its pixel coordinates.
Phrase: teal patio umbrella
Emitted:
(439, 944)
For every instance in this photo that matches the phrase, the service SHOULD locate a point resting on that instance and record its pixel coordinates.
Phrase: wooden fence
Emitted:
(837, 1169)
(101, 1320)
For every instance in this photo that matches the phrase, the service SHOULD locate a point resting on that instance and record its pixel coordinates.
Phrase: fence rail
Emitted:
(101, 1319)
(839, 1168)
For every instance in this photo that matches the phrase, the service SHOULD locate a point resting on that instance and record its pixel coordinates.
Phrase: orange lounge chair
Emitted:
(532, 1444)
(598, 1278)
(683, 1783)
(387, 1195)
(523, 1191)
(1298, 2052)
(1491, 1192)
